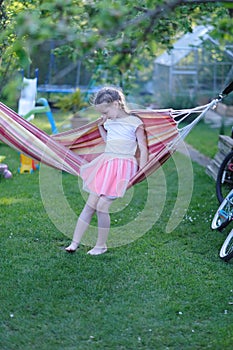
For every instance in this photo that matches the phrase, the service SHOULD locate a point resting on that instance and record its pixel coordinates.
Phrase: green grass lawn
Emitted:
(161, 291)
(205, 139)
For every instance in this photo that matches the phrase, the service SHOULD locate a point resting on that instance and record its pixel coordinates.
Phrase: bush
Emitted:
(71, 102)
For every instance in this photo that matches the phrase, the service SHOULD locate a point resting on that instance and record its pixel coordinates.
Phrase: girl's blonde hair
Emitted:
(109, 95)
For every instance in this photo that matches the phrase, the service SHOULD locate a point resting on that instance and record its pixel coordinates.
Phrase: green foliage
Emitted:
(122, 34)
(71, 102)
(177, 102)
(224, 31)
(11, 92)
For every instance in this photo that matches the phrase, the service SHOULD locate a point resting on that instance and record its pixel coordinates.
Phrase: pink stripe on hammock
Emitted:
(69, 150)
(28, 139)
(160, 127)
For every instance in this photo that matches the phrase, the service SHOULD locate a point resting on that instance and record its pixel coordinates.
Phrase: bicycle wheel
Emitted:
(224, 182)
(226, 252)
(224, 214)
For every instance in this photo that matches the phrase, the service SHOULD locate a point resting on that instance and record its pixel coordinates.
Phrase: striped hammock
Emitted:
(67, 151)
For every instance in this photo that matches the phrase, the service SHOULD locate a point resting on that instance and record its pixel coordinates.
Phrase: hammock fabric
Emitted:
(69, 150)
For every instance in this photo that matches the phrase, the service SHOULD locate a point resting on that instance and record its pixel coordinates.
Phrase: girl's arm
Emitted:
(103, 132)
(142, 144)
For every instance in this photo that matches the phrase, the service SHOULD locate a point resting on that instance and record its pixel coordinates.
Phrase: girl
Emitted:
(107, 176)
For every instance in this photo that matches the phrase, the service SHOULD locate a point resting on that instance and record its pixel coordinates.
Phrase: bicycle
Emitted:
(222, 218)
(224, 191)
(224, 182)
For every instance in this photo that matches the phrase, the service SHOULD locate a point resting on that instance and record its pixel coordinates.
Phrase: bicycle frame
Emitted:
(222, 218)
(224, 214)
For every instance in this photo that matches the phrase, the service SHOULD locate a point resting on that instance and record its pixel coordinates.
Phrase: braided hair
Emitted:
(109, 95)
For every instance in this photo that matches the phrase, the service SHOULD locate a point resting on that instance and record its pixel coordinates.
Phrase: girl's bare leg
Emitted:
(102, 212)
(83, 222)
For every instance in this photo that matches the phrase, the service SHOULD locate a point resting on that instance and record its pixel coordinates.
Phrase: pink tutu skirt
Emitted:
(107, 175)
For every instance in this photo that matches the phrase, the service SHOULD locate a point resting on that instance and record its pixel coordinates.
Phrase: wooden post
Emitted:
(225, 145)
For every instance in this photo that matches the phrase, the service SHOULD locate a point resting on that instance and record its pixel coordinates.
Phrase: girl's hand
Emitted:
(142, 144)
(103, 132)
(103, 120)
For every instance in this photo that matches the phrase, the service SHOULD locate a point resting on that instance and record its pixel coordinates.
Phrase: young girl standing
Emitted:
(106, 177)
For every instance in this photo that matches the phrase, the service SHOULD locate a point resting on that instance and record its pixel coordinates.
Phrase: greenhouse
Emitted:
(194, 69)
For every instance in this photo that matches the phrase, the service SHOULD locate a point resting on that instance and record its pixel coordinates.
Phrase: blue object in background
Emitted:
(49, 114)
(43, 109)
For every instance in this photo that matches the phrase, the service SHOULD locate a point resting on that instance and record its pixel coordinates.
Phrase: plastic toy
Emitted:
(4, 171)
(27, 109)
(45, 108)
(27, 164)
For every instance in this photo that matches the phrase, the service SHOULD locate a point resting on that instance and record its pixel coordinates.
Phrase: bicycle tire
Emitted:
(224, 214)
(226, 251)
(224, 182)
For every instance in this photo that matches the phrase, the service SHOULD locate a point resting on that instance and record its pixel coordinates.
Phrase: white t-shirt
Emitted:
(121, 135)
